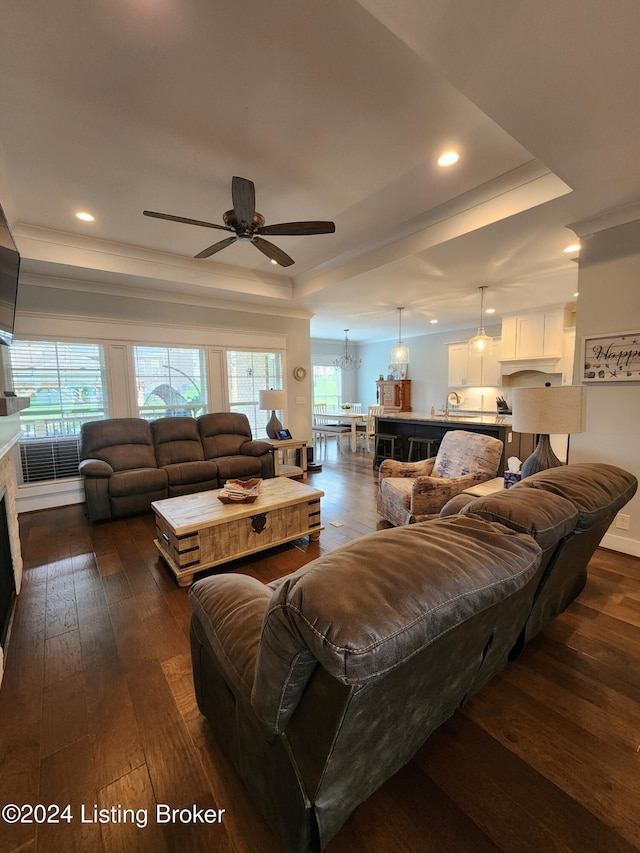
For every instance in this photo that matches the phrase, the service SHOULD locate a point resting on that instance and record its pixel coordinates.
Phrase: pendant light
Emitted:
(400, 354)
(481, 342)
(347, 360)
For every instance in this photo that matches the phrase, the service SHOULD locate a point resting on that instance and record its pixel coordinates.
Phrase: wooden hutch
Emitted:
(394, 394)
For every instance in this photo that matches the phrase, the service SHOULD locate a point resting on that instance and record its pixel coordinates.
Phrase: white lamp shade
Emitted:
(272, 399)
(554, 410)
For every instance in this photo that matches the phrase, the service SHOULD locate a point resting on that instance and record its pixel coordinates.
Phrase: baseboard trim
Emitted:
(50, 494)
(622, 544)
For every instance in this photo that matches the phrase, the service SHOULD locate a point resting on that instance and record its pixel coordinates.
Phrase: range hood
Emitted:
(540, 364)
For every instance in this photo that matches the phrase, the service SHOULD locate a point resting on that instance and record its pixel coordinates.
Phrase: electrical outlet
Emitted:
(509, 437)
(622, 521)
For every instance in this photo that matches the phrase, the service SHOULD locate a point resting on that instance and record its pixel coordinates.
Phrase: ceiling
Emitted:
(336, 110)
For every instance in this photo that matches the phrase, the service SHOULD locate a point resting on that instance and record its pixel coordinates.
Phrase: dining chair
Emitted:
(366, 431)
(324, 426)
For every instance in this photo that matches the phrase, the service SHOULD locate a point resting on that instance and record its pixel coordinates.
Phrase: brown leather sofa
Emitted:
(597, 492)
(322, 685)
(128, 462)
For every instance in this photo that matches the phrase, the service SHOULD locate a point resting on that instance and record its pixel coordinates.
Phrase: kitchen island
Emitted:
(408, 425)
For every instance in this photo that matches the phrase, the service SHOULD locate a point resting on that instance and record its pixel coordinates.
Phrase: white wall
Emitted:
(609, 301)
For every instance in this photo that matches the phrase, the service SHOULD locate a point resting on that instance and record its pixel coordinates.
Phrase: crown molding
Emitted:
(606, 220)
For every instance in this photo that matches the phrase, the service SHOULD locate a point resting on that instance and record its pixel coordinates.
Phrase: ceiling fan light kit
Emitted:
(248, 225)
(481, 342)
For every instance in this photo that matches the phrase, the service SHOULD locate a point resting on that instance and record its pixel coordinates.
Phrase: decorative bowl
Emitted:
(240, 491)
(240, 499)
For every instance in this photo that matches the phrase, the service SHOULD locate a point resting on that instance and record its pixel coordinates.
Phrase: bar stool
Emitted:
(425, 448)
(387, 446)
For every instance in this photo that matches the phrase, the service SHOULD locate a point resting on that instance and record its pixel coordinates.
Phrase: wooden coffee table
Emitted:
(196, 532)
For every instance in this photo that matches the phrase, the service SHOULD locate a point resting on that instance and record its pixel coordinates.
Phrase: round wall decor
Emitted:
(299, 373)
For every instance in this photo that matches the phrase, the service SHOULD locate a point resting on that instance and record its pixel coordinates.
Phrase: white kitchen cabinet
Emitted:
(533, 335)
(461, 372)
(470, 371)
(491, 365)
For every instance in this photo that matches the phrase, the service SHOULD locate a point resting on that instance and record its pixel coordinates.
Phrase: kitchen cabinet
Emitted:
(478, 371)
(533, 335)
(394, 394)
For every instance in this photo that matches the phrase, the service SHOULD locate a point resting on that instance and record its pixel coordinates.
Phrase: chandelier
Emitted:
(400, 354)
(481, 342)
(347, 360)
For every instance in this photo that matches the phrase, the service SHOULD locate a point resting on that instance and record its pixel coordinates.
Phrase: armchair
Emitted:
(415, 491)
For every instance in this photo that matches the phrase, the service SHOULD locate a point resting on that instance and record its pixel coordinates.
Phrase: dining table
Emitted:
(346, 416)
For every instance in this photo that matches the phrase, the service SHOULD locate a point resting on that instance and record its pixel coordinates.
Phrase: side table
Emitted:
(486, 488)
(281, 450)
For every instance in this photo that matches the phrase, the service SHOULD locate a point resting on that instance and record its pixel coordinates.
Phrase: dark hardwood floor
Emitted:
(97, 708)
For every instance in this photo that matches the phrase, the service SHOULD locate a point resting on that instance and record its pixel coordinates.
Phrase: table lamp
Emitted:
(557, 410)
(273, 399)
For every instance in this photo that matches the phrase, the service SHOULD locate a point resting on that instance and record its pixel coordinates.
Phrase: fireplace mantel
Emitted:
(9, 437)
(11, 405)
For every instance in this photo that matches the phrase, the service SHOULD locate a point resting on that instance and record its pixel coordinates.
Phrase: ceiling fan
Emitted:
(247, 224)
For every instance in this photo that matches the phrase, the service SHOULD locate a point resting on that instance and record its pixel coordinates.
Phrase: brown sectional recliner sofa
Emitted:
(128, 462)
(323, 684)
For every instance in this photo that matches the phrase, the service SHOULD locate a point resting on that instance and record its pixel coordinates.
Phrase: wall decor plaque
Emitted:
(611, 358)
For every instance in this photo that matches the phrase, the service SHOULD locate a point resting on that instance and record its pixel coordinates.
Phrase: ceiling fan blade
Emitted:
(243, 193)
(272, 252)
(171, 218)
(211, 250)
(284, 228)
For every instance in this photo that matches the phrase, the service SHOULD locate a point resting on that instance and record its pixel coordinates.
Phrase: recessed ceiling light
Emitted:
(448, 158)
(86, 217)
(490, 311)
(273, 261)
(576, 293)
(574, 247)
(433, 322)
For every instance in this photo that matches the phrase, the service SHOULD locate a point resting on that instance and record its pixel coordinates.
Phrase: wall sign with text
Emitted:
(612, 358)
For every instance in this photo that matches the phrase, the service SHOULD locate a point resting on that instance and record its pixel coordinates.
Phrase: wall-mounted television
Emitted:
(9, 269)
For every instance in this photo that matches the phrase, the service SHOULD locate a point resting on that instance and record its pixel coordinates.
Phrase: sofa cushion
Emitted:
(454, 505)
(223, 433)
(596, 490)
(230, 467)
(549, 519)
(430, 578)
(176, 440)
(124, 443)
(193, 473)
(137, 481)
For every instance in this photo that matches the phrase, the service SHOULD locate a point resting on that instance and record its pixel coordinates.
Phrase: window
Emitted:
(66, 383)
(170, 382)
(327, 386)
(249, 372)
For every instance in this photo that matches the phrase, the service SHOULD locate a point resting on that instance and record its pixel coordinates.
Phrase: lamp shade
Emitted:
(272, 399)
(549, 410)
